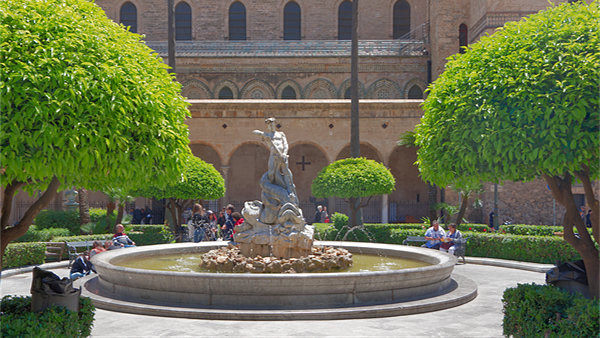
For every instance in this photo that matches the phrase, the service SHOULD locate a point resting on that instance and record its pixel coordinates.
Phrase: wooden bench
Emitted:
(74, 249)
(54, 251)
(459, 251)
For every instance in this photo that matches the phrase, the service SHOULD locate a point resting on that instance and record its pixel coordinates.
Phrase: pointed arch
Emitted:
(421, 85)
(196, 89)
(229, 84)
(343, 92)
(257, 89)
(320, 89)
(291, 84)
(384, 89)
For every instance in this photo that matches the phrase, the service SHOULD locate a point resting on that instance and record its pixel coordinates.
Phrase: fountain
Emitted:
(274, 228)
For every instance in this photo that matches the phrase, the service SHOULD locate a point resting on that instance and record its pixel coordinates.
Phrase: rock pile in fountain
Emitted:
(321, 259)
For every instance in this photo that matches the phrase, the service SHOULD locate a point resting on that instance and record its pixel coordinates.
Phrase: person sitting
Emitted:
(451, 239)
(433, 236)
(96, 248)
(120, 238)
(81, 267)
(110, 245)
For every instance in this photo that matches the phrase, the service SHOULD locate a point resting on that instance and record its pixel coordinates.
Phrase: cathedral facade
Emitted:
(241, 61)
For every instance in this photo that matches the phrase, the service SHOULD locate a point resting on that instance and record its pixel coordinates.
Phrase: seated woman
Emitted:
(450, 239)
(96, 248)
(81, 267)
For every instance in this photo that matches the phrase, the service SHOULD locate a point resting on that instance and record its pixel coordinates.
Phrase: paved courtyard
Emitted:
(481, 317)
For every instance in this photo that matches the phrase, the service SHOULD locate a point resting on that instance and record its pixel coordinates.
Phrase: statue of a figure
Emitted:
(275, 226)
(278, 171)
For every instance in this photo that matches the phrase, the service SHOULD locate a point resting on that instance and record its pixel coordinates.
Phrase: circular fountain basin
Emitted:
(265, 296)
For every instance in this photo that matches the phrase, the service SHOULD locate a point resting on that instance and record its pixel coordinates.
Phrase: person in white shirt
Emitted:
(433, 236)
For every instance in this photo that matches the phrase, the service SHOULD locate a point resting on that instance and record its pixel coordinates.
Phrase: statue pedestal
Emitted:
(290, 237)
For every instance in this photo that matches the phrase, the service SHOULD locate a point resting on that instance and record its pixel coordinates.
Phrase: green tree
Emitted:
(351, 179)
(84, 103)
(522, 104)
(200, 180)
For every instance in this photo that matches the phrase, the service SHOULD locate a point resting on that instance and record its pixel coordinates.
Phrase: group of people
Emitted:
(82, 266)
(586, 216)
(321, 215)
(437, 238)
(206, 226)
(141, 216)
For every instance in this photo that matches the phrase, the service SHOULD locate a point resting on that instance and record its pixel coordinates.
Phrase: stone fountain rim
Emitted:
(444, 260)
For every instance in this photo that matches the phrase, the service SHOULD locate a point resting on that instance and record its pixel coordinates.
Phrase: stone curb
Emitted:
(534, 267)
(527, 266)
(29, 268)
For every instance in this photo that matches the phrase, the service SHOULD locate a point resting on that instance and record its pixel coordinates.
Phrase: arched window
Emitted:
(291, 21)
(345, 21)
(415, 92)
(237, 21)
(183, 21)
(128, 16)
(225, 93)
(348, 93)
(288, 93)
(463, 37)
(401, 18)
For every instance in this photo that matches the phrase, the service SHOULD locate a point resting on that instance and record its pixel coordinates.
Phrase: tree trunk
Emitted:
(9, 234)
(120, 209)
(463, 208)
(583, 243)
(432, 200)
(84, 206)
(353, 221)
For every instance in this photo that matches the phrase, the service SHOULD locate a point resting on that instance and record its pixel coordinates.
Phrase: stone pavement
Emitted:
(481, 317)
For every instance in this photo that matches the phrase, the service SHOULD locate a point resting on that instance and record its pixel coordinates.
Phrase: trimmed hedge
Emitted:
(537, 249)
(42, 235)
(17, 320)
(21, 254)
(150, 234)
(532, 310)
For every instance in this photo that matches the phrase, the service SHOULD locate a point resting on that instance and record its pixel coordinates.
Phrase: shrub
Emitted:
(534, 230)
(42, 235)
(58, 219)
(532, 310)
(17, 320)
(538, 249)
(339, 220)
(150, 234)
(21, 254)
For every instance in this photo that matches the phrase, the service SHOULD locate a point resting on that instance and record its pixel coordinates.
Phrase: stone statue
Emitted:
(275, 226)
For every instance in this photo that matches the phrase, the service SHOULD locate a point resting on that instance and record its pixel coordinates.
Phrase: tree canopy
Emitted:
(84, 103)
(517, 104)
(521, 104)
(352, 178)
(84, 100)
(200, 180)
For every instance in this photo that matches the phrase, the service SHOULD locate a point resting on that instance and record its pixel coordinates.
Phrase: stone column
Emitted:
(224, 173)
(384, 209)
